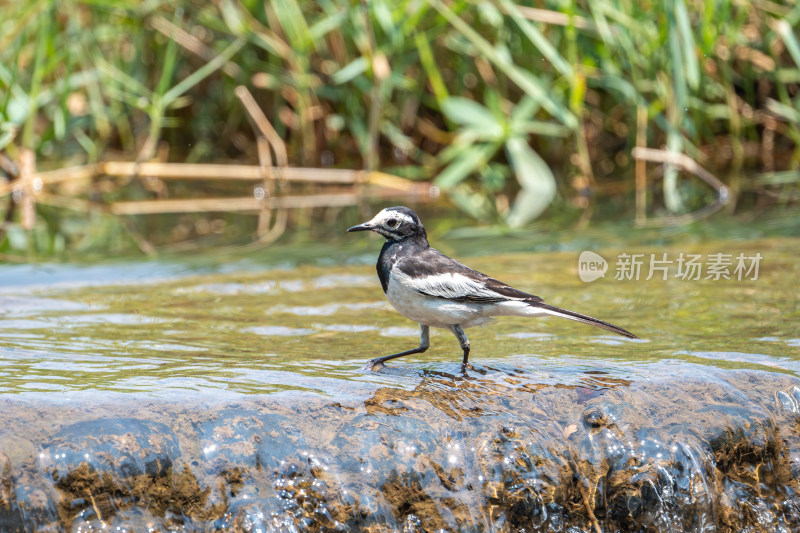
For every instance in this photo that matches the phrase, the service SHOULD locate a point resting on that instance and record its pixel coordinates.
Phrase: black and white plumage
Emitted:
(436, 291)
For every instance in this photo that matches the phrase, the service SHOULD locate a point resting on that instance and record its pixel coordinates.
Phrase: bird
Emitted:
(437, 291)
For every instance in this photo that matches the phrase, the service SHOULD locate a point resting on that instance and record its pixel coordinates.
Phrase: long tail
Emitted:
(586, 319)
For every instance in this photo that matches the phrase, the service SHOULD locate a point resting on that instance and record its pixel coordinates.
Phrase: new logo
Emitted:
(591, 266)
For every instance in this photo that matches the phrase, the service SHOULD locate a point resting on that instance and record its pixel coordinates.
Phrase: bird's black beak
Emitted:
(366, 226)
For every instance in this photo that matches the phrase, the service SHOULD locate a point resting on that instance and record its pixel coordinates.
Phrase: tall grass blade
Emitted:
(523, 78)
(689, 62)
(538, 40)
(294, 24)
(203, 72)
(431, 68)
(789, 39)
(168, 64)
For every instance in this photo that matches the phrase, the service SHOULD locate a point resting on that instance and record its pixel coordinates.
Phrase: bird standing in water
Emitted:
(430, 288)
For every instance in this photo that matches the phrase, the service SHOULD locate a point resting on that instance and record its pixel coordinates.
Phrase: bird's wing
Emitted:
(435, 274)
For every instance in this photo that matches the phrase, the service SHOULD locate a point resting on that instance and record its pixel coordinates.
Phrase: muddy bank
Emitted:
(700, 450)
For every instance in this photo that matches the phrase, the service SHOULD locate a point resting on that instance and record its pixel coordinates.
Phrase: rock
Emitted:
(684, 453)
(27, 508)
(123, 447)
(262, 515)
(248, 439)
(131, 520)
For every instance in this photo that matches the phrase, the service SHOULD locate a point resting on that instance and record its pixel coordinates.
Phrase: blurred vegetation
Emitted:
(507, 107)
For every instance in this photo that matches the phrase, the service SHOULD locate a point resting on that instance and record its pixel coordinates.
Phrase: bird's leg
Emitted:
(424, 344)
(463, 341)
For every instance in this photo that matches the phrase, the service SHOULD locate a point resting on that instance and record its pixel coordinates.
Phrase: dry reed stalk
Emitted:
(28, 185)
(689, 165)
(241, 204)
(53, 176)
(253, 205)
(230, 172)
(178, 171)
(267, 138)
(263, 125)
(191, 43)
(554, 17)
(57, 200)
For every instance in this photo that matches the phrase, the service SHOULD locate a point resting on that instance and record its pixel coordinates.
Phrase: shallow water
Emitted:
(232, 396)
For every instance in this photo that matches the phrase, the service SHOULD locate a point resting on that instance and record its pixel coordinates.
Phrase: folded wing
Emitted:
(437, 275)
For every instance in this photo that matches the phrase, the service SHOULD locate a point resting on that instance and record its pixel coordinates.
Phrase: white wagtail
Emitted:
(435, 290)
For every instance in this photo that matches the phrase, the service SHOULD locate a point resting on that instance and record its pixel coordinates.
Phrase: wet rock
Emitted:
(23, 507)
(399, 461)
(26, 508)
(687, 453)
(249, 516)
(16, 449)
(519, 477)
(595, 418)
(123, 447)
(109, 471)
(659, 467)
(262, 515)
(275, 479)
(131, 520)
(248, 439)
(787, 402)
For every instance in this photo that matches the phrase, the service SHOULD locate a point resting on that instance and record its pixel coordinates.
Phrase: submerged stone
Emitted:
(248, 439)
(131, 520)
(26, 508)
(716, 452)
(122, 447)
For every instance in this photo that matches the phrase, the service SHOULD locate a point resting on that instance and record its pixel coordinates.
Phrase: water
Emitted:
(230, 395)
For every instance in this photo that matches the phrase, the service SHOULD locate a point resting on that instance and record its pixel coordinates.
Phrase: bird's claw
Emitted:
(372, 365)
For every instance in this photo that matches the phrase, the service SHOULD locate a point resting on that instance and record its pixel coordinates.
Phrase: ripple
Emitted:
(614, 340)
(294, 285)
(325, 310)
(120, 319)
(345, 328)
(530, 335)
(743, 357)
(399, 332)
(231, 288)
(24, 306)
(789, 342)
(279, 331)
(21, 323)
(331, 281)
(168, 347)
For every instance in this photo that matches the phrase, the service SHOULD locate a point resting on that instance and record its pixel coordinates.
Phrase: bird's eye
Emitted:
(392, 222)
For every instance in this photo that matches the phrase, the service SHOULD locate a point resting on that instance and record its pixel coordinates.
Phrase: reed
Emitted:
(508, 107)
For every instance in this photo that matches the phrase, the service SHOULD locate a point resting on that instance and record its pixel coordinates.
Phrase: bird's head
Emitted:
(394, 223)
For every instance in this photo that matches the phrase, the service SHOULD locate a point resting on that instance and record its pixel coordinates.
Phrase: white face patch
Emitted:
(386, 215)
(391, 224)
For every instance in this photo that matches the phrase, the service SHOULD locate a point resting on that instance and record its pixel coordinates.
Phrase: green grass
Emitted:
(504, 110)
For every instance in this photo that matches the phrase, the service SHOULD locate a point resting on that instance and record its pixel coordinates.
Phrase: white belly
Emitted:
(435, 312)
(441, 312)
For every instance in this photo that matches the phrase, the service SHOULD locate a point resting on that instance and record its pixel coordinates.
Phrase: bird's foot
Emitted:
(373, 365)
